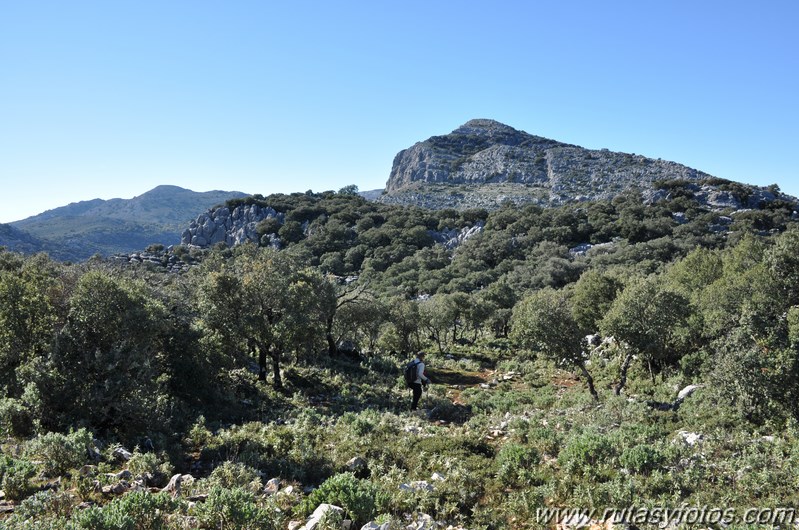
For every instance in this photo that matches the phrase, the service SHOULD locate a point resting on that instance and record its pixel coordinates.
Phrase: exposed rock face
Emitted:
(452, 239)
(232, 228)
(165, 259)
(486, 151)
(479, 151)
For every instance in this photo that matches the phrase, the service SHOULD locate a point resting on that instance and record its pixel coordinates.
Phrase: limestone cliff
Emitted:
(488, 152)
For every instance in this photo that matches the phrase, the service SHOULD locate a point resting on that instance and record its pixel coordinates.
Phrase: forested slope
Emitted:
(282, 360)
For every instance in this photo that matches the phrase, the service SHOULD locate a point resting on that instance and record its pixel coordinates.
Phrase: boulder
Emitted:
(175, 483)
(687, 391)
(422, 522)
(417, 485)
(120, 453)
(321, 511)
(690, 438)
(87, 471)
(117, 489)
(356, 464)
(272, 486)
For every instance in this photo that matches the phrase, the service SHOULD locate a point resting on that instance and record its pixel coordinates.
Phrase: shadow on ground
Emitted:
(453, 378)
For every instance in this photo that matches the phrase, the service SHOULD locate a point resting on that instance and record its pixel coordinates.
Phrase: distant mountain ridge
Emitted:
(485, 156)
(80, 230)
(482, 164)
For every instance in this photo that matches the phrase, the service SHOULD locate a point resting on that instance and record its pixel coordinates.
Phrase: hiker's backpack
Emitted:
(410, 373)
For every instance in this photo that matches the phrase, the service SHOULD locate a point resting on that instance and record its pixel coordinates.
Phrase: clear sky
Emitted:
(109, 99)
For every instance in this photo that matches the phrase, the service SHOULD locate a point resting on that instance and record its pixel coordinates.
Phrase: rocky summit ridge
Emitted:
(488, 157)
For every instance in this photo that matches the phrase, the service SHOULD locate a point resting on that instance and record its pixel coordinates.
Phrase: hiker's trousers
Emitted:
(417, 394)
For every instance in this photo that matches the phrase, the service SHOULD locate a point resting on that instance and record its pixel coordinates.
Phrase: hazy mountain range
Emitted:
(80, 230)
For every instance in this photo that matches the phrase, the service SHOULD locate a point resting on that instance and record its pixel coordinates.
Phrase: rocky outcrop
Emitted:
(230, 227)
(453, 238)
(166, 259)
(486, 151)
(479, 151)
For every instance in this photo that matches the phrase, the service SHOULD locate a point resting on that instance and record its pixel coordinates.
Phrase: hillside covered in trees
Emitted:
(602, 355)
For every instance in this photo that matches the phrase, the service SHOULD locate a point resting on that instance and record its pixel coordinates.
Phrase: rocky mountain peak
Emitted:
(485, 127)
(486, 153)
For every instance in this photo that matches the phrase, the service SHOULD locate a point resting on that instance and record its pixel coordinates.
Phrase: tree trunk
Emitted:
(261, 364)
(278, 381)
(589, 380)
(623, 372)
(332, 349)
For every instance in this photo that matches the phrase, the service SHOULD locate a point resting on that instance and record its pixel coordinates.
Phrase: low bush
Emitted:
(546, 440)
(16, 478)
(135, 511)
(199, 435)
(588, 454)
(153, 469)
(44, 505)
(15, 418)
(360, 498)
(235, 475)
(516, 465)
(641, 458)
(59, 453)
(237, 508)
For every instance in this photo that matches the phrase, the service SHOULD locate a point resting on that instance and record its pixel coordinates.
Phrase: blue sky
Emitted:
(110, 99)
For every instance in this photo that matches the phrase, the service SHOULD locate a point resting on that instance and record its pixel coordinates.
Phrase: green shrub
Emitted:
(546, 440)
(758, 381)
(150, 467)
(695, 364)
(36, 524)
(17, 475)
(359, 424)
(59, 453)
(135, 511)
(44, 505)
(252, 444)
(148, 511)
(361, 499)
(516, 465)
(235, 475)
(641, 458)
(588, 454)
(15, 417)
(236, 508)
(198, 436)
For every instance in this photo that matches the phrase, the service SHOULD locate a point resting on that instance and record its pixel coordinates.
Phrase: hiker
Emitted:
(421, 379)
